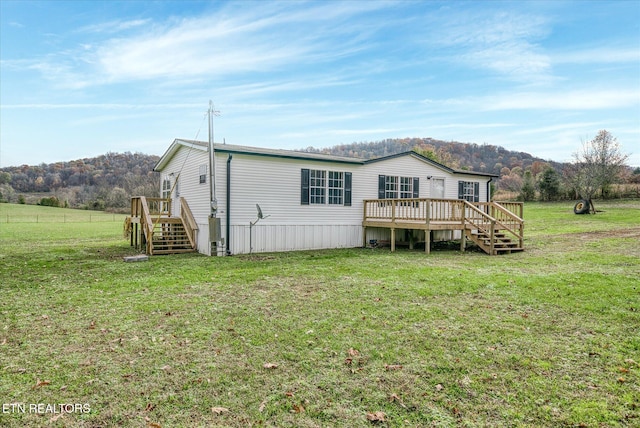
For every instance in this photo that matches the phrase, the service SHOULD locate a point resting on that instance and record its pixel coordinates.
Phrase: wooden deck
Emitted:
(152, 228)
(495, 227)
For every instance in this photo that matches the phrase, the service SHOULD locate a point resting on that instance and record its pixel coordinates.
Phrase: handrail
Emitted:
(516, 208)
(189, 221)
(140, 208)
(480, 225)
(512, 219)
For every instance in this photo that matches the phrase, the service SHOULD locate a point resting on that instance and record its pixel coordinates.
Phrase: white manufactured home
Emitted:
(279, 200)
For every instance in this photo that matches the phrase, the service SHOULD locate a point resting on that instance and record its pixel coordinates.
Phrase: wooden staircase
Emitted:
(169, 236)
(499, 244)
(152, 227)
(493, 228)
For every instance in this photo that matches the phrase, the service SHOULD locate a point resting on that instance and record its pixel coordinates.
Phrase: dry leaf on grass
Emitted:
(297, 408)
(377, 416)
(219, 410)
(395, 399)
(393, 367)
(353, 352)
(40, 383)
(262, 406)
(56, 417)
(270, 366)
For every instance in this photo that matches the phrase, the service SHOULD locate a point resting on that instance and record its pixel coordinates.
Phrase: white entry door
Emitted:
(437, 188)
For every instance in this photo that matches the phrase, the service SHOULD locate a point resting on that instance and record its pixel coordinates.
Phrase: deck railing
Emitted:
(414, 210)
(159, 206)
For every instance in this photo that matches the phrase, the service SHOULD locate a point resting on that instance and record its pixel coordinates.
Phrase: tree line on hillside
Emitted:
(107, 182)
(104, 182)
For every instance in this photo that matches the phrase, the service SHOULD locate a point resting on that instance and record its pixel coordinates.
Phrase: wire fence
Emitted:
(64, 218)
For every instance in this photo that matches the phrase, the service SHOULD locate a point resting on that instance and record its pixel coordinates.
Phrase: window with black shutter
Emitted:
(469, 191)
(320, 187)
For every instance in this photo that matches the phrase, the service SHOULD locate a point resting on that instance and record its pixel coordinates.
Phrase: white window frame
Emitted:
(317, 186)
(166, 188)
(202, 174)
(468, 192)
(390, 187)
(335, 188)
(406, 187)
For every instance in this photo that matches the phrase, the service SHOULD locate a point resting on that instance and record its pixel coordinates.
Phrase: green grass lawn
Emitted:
(546, 337)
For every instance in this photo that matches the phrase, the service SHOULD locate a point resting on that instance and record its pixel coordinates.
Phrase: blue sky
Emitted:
(79, 79)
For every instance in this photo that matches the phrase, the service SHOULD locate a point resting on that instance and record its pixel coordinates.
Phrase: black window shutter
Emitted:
(304, 187)
(347, 189)
(460, 189)
(476, 192)
(381, 181)
(416, 187)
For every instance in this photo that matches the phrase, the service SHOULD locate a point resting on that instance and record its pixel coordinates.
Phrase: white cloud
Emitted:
(587, 99)
(602, 55)
(501, 41)
(252, 40)
(114, 26)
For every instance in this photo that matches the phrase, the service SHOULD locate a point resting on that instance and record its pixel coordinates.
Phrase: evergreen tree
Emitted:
(549, 185)
(528, 192)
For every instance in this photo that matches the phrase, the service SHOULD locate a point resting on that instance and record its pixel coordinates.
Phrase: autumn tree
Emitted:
(596, 166)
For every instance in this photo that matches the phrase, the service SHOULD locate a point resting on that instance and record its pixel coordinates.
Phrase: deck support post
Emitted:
(427, 241)
(463, 240)
(393, 240)
(364, 236)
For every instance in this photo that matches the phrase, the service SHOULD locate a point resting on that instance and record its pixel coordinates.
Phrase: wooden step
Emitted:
(173, 251)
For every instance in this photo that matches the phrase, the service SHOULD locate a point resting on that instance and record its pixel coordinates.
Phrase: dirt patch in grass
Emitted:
(603, 234)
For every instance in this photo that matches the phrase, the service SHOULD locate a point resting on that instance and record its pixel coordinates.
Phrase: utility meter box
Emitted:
(215, 234)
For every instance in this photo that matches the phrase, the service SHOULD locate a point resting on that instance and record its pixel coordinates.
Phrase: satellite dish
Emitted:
(253, 223)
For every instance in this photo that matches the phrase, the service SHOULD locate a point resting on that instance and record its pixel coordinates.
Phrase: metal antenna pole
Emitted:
(212, 162)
